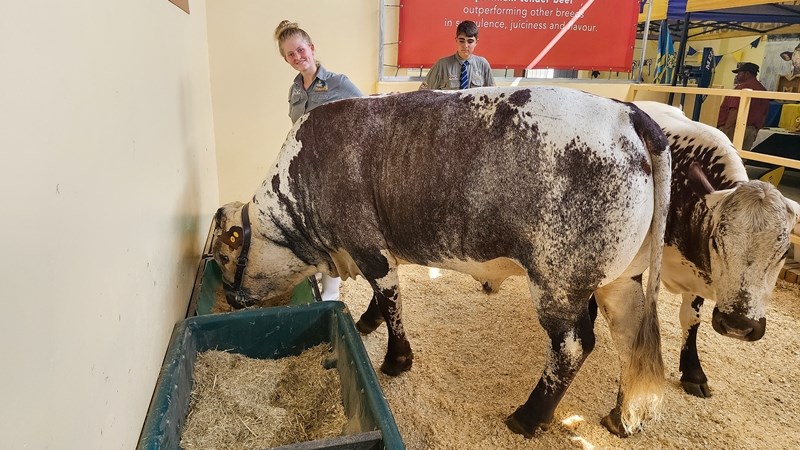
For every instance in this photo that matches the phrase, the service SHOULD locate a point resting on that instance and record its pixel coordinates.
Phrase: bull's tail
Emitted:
(642, 387)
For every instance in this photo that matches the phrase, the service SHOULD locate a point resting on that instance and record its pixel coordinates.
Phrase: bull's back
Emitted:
(527, 174)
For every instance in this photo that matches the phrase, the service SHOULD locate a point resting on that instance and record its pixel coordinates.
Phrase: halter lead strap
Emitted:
(241, 262)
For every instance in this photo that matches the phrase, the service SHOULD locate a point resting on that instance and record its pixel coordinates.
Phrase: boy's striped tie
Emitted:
(464, 81)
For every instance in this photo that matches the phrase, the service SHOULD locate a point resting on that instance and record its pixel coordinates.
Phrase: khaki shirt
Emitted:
(446, 73)
(327, 87)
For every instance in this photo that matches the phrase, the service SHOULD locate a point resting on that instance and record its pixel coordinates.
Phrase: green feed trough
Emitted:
(274, 333)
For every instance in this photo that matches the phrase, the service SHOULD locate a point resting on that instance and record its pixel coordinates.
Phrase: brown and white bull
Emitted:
(567, 188)
(726, 241)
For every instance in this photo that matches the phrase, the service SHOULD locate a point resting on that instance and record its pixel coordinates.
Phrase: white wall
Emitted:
(250, 80)
(108, 183)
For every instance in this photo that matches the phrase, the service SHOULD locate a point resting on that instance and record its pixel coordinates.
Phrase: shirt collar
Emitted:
(461, 61)
(322, 74)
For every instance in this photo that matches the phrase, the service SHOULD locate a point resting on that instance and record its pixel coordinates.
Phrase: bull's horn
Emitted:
(698, 180)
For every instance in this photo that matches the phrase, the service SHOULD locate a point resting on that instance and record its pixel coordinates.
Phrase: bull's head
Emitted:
(255, 270)
(749, 241)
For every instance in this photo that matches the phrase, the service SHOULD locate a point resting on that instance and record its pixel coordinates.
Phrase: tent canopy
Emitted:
(719, 19)
(735, 11)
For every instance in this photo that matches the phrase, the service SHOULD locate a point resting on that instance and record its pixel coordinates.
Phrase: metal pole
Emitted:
(644, 38)
(382, 20)
(681, 50)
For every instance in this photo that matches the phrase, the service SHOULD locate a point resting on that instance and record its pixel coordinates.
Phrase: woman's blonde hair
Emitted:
(286, 30)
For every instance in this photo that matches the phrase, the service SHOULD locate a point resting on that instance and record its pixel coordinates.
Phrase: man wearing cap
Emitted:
(759, 107)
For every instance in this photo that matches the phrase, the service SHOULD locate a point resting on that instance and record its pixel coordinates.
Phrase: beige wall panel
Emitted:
(108, 181)
(250, 80)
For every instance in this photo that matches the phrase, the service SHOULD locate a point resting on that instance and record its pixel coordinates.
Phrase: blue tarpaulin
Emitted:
(764, 13)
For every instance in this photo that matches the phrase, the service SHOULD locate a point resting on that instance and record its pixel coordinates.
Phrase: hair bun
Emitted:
(283, 26)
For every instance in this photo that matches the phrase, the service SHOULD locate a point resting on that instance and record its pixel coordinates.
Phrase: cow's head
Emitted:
(255, 269)
(749, 241)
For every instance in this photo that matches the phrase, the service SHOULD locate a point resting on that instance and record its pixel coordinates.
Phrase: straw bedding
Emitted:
(477, 357)
(239, 402)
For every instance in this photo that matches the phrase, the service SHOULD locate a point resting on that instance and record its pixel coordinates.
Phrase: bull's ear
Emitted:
(232, 237)
(794, 209)
(712, 200)
(219, 218)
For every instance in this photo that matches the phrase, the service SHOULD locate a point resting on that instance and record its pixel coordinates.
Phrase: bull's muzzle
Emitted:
(238, 299)
(738, 326)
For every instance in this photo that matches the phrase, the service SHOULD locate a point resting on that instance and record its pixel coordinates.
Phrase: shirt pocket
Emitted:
(296, 98)
(297, 106)
(475, 79)
(454, 83)
(320, 98)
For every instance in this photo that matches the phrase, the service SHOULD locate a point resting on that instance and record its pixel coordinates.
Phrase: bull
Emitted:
(566, 188)
(727, 237)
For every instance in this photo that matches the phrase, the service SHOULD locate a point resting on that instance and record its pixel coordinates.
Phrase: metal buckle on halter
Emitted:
(239, 300)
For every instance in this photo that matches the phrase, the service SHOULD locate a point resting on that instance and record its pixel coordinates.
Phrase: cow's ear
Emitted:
(794, 210)
(219, 219)
(713, 199)
(232, 237)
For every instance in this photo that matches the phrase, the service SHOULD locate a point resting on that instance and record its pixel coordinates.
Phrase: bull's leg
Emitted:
(592, 309)
(693, 379)
(372, 317)
(381, 273)
(571, 340)
(641, 368)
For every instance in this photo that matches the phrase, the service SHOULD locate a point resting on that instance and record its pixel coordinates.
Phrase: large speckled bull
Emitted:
(566, 188)
(727, 237)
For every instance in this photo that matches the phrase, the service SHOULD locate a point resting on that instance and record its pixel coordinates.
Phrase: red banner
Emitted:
(518, 34)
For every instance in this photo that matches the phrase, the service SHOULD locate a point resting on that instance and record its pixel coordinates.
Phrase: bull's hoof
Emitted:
(697, 389)
(518, 427)
(365, 327)
(395, 367)
(613, 423)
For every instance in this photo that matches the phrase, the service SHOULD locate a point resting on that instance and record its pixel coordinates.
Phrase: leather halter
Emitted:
(239, 301)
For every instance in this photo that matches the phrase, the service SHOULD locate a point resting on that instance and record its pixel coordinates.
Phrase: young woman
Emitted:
(313, 86)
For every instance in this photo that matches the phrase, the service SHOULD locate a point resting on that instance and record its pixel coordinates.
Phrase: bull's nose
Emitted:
(237, 299)
(738, 326)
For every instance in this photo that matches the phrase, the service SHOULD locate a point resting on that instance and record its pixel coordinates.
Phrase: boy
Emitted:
(464, 69)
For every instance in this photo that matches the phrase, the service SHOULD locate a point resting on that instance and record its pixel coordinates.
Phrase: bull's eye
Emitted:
(714, 244)
(224, 259)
